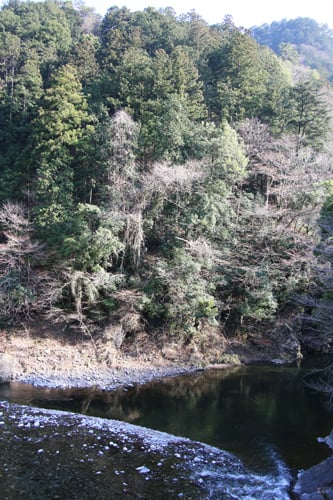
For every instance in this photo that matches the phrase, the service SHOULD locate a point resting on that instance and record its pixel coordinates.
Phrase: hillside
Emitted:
(301, 38)
(161, 178)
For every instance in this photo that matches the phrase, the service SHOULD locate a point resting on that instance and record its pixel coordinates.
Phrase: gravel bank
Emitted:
(46, 357)
(105, 379)
(54, 454)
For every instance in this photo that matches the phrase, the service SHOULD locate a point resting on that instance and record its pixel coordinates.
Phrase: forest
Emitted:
(300, 38)
(162, 174)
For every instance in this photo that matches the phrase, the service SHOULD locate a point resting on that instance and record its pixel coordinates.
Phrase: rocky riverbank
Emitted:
(52, 454)
(44, 355)
(316, 483)
(49, 355)
(49, 358)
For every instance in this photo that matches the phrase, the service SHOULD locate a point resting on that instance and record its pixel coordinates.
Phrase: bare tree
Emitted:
(289, 178)
(134, 235)
(28, 285)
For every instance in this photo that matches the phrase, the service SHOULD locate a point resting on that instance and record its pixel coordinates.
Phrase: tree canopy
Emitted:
(156, 157)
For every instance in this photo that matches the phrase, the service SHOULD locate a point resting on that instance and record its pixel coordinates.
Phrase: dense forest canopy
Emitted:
(301, 38)
(160, 173)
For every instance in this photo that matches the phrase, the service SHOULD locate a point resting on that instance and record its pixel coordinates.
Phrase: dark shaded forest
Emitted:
(161, 174)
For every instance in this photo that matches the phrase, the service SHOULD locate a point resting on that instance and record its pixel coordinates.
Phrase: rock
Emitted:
(285, 346)
(328, 440)
(143, 469)
(170, 351)
(316, 483)
(318, 480)
(6, 367)
(119, 335)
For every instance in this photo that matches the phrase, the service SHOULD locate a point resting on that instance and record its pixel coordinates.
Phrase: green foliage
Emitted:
(188, 298)
(60, 127)
(299, 38)
(84, 59)
(238, 76)
(327, 208)
(305, 113)
(94, 241)
(259, 300)
(171, 131)
(157, 153)
(89, 293)
(228, 160)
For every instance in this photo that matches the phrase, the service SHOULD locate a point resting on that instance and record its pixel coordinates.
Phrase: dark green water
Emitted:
(265, 415)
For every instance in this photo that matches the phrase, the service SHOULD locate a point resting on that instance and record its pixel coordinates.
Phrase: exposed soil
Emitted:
(51, 355)
(54, 355)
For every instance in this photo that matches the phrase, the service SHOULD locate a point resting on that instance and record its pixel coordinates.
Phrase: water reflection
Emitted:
(258, 413)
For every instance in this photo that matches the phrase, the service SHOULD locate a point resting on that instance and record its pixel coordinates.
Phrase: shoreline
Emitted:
(105, 379)
(45, 355)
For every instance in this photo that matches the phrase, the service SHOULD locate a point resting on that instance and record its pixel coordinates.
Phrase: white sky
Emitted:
(245, 13)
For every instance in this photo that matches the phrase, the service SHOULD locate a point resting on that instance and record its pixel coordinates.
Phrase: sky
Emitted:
(245, 13)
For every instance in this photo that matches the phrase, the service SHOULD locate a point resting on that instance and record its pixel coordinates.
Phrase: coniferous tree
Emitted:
(305, 113)
(61, 126)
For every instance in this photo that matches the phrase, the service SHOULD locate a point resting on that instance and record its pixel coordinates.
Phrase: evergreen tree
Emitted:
(61, 126)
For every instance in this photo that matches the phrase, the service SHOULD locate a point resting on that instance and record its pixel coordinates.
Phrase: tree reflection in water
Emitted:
(254, 412)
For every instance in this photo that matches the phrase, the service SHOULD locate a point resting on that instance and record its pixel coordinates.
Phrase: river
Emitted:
(264, 415)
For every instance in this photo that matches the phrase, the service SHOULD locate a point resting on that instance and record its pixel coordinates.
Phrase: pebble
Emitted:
(143, 469)
(205, 473)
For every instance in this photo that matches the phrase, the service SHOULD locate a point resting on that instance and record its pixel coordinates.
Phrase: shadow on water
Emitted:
(265, 415)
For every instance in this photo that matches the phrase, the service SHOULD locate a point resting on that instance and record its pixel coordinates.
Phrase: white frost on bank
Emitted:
(27, 416)
(215, 470)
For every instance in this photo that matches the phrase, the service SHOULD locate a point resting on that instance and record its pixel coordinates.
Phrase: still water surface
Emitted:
(265, 415)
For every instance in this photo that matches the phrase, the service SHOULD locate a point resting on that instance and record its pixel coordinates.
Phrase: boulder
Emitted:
(6, 367)
(316, 483)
